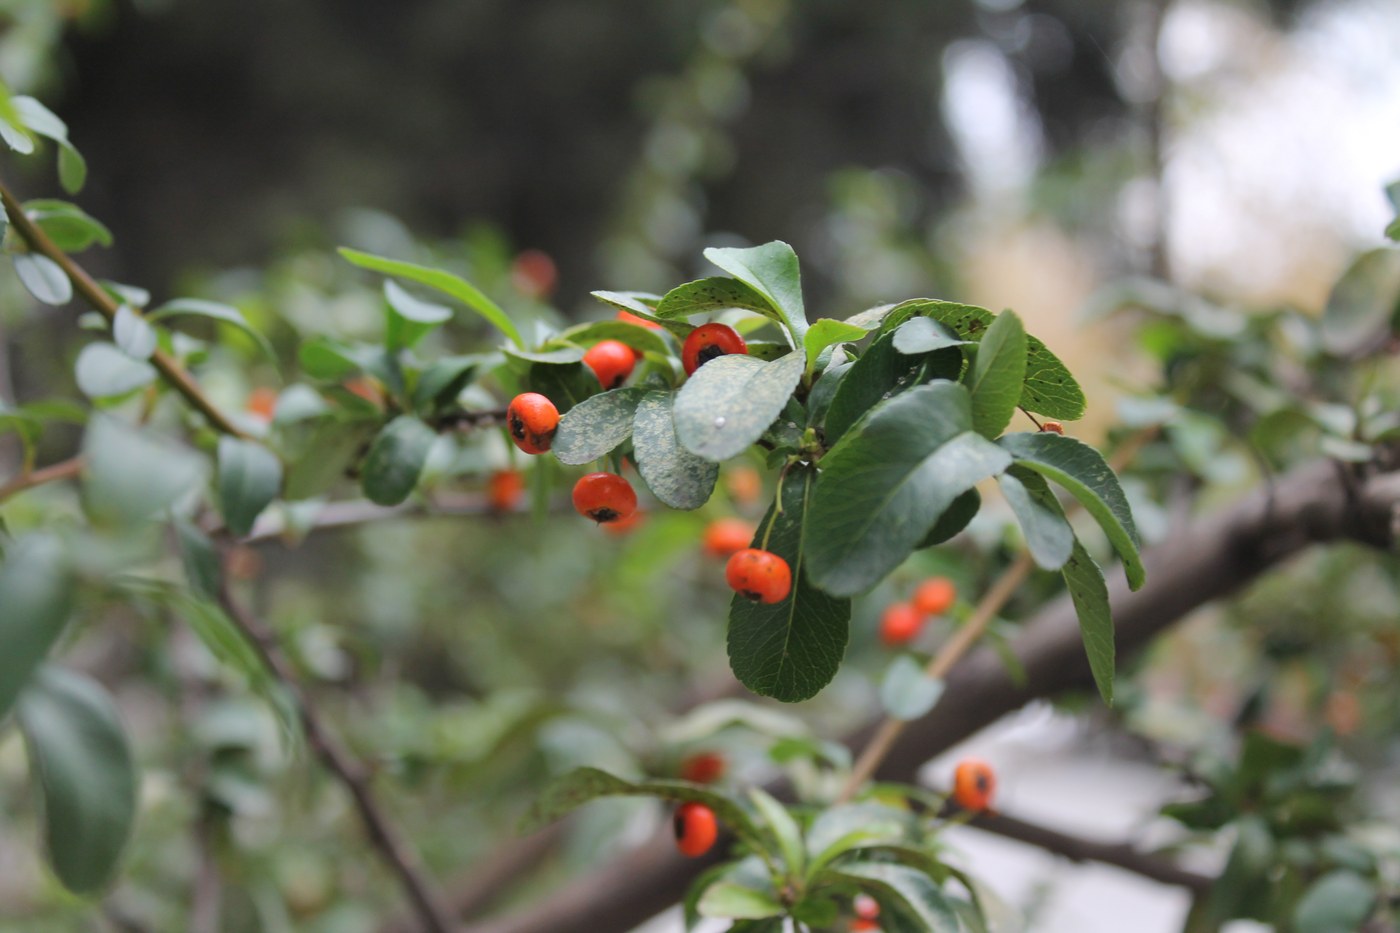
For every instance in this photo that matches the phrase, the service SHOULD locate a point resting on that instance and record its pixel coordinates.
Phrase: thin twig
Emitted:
(54, 472)
(351, 773)
(95, 295)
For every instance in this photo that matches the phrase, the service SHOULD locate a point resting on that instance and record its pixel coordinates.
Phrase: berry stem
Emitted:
(1034, 420)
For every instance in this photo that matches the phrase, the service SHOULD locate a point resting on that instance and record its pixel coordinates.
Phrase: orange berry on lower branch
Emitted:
(696, 829)
(627, 317)
(724, 536)
(935, 596)
(604, 497)
(532, 420)
(899, 623)
(974, 783)
(505, 489)
(759, 575)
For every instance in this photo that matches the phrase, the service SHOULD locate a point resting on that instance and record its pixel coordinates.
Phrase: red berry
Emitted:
(759, 575)
(1054, 427)
(696, 829)
(724, 536)
(604, 497)
(611, 361)
(262, 402)
(974, 782)
(866, 907)
(534, 274)
(863, 925)
(505, 489)
(532, 420)
(366, 388)
(935, 596)
(900, 623)
(709, 341)
(703, 767)
(627, 317)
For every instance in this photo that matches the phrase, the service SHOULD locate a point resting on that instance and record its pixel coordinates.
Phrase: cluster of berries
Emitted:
(901, 622)
(608, 498)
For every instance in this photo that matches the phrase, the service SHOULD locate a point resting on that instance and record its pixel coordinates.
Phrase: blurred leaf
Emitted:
(924, 335)
(444, 282)
(102, 370)
(132, 474)
(730, 401)
(676, 476)
(395, 460)
(905, 886)
(36, 597)
(596, 426)
(410, 318)
(79, 754)
(133, 334)
(886, 483)
(12, 129)
(848, 827)
(70, 227)
(1340, 900)
(1363, 303)
(442, 380)
(789, 650)
(214, 311)
(773, 271)
(72, 170)
(785, 830)
(907, 692)
(997, 375)
(1244, 888)
(250, 476)
(43, 278)
(1089, 593)
(1049, 537)
(704, 721)
(727, 899)
(199, 558)
(559, 356)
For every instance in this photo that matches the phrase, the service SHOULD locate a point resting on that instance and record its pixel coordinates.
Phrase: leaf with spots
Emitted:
(718, 293)
(595, 426)
(772, 270)
(731, 400)
(789, 650)
(674, 475)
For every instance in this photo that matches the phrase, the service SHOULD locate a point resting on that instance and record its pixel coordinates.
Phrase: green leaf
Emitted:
(596, 426)
(72, 170)
(785, 830)
(727, 899)
(36, 598)
(789, 650)
(641, 339)
(250, 477)
(880, 373)
(213, 310)
(582, 785)
(907, 692)
(444, 282)
(773, 271)
(332, 361)
(889, 479)
(565, 386)
(1082, 470)
(79, 753)
(131, 474)
(70, 227)
(410, 318)
(1049, 537)
(203, 570)
(676, 476)
(1363, 301)
(954, 519)
(135, 336)
(730, 401)
(643, 305)
(924, 335)
(104, 371)
(713, 294)
(442, 380)
(998, 374)
(826, 332)
(12, 129)
(912, 889)
(43, 278)
(1339, 900)
(848, 827)
(395, 460)
(559, 356)
(1089, 593)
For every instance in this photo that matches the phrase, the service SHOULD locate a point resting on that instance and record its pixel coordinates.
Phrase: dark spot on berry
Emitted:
(709, 353)
(982, 783)
(602, 516)
(678, 825)
(517, 427)
(751, 594)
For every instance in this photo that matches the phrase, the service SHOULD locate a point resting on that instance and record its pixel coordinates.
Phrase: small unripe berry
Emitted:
(935, 596)
(707, 342)
(974, 783)
(532, 420)
(1054, 427)
(611, 361)
(759, 575)
(703, 767)
(724, 536)
(604, 497)
(627, 317)
(900, 623)
(505, 489)
(696, 829)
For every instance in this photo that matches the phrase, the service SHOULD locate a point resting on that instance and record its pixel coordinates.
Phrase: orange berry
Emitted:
(900, 623)
(935, 596)
(866, 907)
(724, 536)
(625, 526)
(627, 317)
(707, 342)
(604, 497)
(262, 403)
(611, 361)
(703, 767)
(532, 420)
(505, 489)
(759, 575)
(1054, 427)
(534, 274)
(974, 782)
(696, 829)
(366, 388)
(745, 484)
(863, 925)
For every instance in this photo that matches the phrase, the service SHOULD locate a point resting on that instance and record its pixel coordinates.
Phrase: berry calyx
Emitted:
(724, 536)
(935, 596)
(505, 489)
(696, 829)
(707, 342)
(627, 317)
(604, 497)
(759, 575)
(703, 767)
(1054, 427)
(611, 361)
(532, 420)
(900, 623)
(974, 782)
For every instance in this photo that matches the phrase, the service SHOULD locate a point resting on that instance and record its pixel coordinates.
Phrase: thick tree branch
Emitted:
(432, 911)
(1212, 558)
(169, 368)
